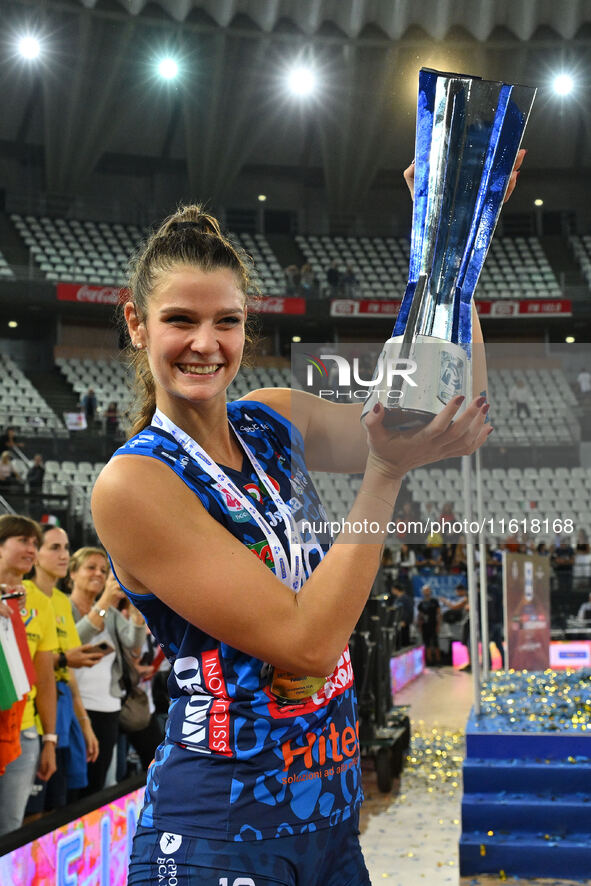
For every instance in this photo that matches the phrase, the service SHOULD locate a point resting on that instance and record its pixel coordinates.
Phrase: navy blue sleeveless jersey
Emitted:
(235, 764)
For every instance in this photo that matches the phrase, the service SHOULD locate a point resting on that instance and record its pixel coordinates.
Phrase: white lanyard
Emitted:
(288, 571)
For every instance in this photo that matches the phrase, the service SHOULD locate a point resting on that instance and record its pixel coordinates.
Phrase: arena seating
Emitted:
(110, 379)
(79, 251)
(99, 252)
(552, 406)
(515, 268)
(22, 406)
(6, 271)
(268, 273)
(380, 263)
(581, 246)
(546, 493)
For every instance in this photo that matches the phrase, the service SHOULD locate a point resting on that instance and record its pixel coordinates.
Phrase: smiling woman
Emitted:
(263, 704)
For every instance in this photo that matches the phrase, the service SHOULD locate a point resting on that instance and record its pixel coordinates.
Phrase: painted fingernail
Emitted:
(376, 407)
(459, 401)
(490, 432)
(485, 408)
(481, 401)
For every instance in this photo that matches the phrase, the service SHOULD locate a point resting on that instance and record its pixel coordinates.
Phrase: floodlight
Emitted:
(29, 47)
(538, 201)
(261, 198)
(12, 324)
(570, 339)
(296, 338)
(168, 68)
(563, 84)
(301, 81)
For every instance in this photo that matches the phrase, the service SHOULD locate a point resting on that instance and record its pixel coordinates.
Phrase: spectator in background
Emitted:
(20, 539)
(77, 743)
(405, 610)
(9, 476)
(333, 278)
(111, 420)
(292, 279)
(8, 441)
(35, 474)
(429, 622)
(89, 407)
(349, 282)
(584, 382)
(405, 564)
(520, 395)
(563, 561)
(582, 542)
(307, 280)
(94, 603)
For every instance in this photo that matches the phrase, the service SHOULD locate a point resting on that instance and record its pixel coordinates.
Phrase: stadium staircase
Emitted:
(525, 809)
(286, 250)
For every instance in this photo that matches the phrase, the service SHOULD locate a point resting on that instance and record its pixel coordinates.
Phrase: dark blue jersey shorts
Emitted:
(327, 857)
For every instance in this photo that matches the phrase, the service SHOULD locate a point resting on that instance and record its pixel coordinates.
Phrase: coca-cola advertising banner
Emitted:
(280, 305)
(343, 307)
(113, 295)
(85, 293)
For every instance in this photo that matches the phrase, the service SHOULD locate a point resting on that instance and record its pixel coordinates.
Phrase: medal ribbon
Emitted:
(288, 570)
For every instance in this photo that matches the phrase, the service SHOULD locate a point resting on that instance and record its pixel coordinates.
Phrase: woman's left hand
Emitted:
(91, 742)
(409, 175)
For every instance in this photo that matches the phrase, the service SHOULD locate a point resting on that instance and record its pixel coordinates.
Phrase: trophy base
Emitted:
(413, 389)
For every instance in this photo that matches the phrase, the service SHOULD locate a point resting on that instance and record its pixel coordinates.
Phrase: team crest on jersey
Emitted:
(235, 509)
(263, 552)
(258, 492)
(29, 614)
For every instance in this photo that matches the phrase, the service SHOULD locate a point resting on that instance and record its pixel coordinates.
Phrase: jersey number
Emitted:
(239, 881)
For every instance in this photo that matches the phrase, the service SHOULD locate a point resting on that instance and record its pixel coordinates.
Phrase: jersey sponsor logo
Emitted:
(334, 745)
(194, 728)
(219, 727)
(212, 673)
(340, 680)
(187, 671)
(254, 427)
(169, 843)
(238, 513)
(262, 550)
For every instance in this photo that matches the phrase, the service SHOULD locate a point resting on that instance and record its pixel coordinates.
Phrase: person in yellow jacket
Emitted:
(77, 743)
(20, 539)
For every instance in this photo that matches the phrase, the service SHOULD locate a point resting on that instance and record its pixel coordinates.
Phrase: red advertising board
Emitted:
(280, 305)
(542, 307)
(546, 307)
(112, 295)
(86, 293)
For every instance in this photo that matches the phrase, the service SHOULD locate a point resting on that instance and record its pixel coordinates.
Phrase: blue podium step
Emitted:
(526, 855)
(541, 812)
(526, 808)
(522, 775)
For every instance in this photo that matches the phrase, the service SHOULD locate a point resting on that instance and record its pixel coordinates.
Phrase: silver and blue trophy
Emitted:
(468, 134)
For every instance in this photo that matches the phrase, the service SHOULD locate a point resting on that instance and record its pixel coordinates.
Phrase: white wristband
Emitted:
(49, 736)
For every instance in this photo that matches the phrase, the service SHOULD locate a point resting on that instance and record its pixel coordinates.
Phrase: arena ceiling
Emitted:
(95, 102)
